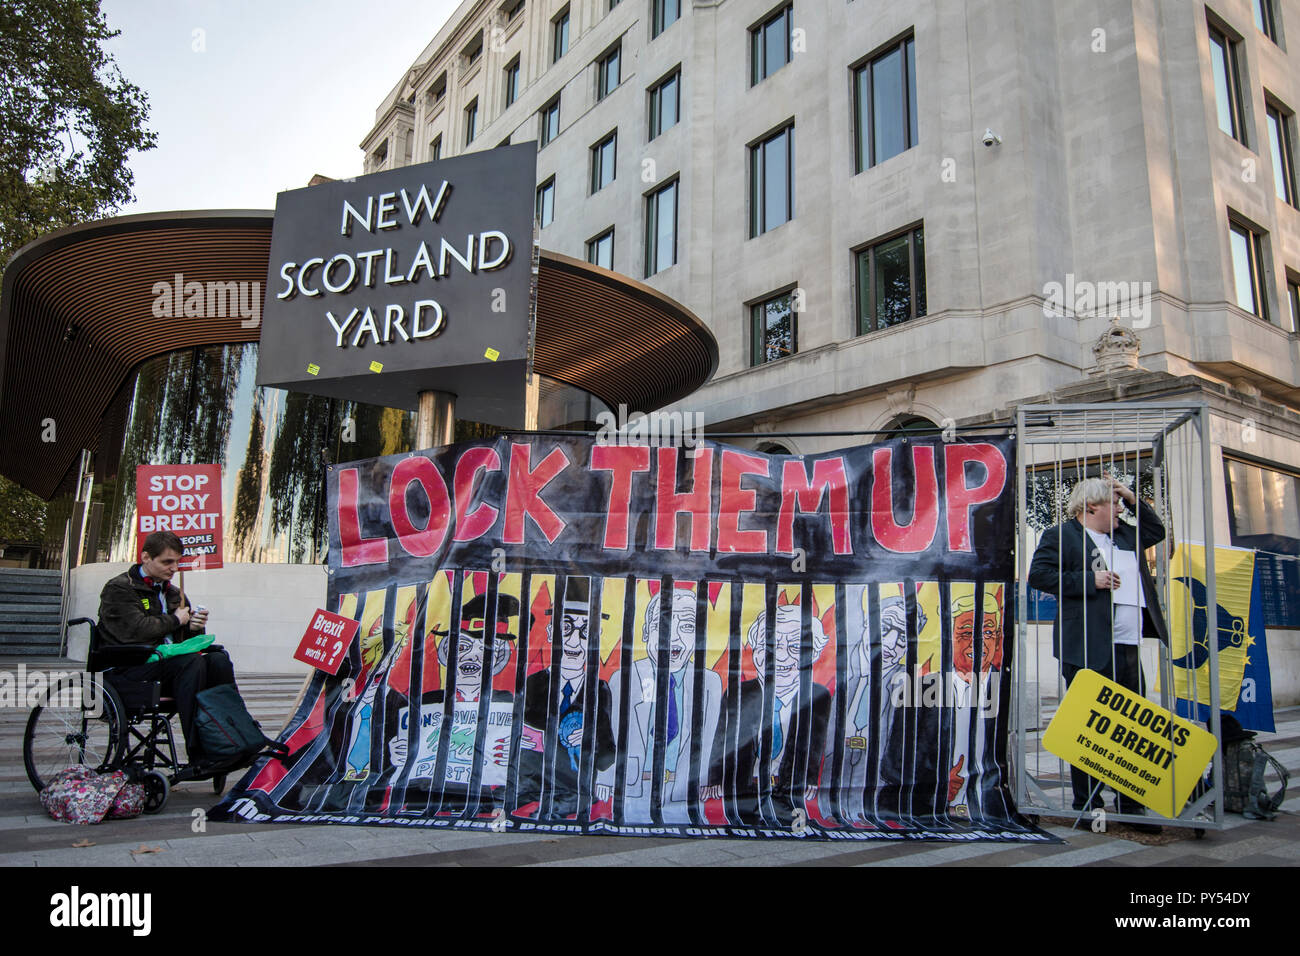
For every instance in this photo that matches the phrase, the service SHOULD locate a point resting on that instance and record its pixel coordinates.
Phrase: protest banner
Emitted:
(186, 500)
(558, 635)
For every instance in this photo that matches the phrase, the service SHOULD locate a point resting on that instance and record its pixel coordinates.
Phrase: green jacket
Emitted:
(130, 611)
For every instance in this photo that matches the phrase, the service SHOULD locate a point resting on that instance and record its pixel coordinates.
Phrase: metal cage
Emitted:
(1162, 451)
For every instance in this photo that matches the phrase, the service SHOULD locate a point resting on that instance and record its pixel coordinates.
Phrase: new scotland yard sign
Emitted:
(410, 279)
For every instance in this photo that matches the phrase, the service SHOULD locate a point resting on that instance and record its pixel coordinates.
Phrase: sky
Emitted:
(252, 98)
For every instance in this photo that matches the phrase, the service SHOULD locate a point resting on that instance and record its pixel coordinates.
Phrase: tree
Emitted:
(22, 514)
(68, 120)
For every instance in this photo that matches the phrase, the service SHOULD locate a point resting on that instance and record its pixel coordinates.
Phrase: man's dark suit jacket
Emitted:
(1062, 566)
(536, 700)
(750, 726)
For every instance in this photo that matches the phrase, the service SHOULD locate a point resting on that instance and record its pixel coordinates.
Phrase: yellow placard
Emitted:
(491, 355)
(376, 367)
(313, 369)
(1134, 746)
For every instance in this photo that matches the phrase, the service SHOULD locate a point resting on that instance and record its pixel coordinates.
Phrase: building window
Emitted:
(512, 81)
(471, 121)
(663, 14)
(1263, 507)
(884, 105)
(773, 328)
(1265, 18)
(1225, 60)
(1293, 299)
(438, 92)
(546, 203)
(1248, 269)
(603, 157)
(513, 10)
(1281, 146)
(665, 103)
(560, 35)
(661, 229)
(608, 73)
(473, 50)
(550, 115)
(435, 148)
(771, 182)
(907, 425)
(600, 251)
(769, 45)
(891, 281)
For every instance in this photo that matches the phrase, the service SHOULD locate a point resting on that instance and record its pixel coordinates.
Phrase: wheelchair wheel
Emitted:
(156, 790)
(80, 723)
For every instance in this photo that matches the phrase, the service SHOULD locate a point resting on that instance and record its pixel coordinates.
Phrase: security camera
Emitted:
(991, 138)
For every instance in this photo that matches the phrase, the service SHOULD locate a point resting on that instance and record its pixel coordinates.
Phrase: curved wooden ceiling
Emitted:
(77, 317)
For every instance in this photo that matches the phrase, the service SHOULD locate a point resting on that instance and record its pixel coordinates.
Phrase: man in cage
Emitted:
(791, 713)
(680, 705)
(973, 696)
(471, 663)
(574, 633)
(893, 665)
(1106, 599)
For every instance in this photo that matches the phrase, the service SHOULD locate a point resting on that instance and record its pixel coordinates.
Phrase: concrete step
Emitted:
(42, 636)
(29, 650)
(30, 593)
(16, 579)
(32, 612)
(12, 628)
(45, 635)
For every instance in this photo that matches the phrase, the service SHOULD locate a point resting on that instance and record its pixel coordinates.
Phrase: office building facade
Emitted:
(901, 214)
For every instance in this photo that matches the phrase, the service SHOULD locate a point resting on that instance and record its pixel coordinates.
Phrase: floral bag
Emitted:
(80, 795)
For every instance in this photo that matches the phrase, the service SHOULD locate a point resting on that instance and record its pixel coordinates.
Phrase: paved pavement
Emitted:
(180, 837)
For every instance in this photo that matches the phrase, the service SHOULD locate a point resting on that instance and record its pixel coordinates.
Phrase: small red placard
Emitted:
(327, 640)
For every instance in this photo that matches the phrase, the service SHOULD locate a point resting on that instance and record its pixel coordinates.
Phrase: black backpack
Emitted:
(226, 730)
(1244, 765)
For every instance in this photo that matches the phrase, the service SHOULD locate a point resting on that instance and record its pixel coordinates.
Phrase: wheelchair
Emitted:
(106, 723)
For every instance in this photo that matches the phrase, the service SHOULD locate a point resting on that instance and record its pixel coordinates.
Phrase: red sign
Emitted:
(327, 640)
(186, 500)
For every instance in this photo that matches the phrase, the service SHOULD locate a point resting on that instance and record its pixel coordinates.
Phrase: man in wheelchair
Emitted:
(140, 606)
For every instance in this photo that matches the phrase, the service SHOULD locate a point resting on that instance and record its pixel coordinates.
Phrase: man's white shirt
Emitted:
(1128, 599)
